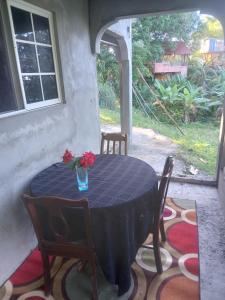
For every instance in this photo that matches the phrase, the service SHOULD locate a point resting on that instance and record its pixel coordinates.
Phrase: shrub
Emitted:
(212, 80)
(107, 96)
(197, 97)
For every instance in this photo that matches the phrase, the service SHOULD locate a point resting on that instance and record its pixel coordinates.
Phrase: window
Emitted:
(34, 43)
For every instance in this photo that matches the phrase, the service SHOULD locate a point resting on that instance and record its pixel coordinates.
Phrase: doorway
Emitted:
(178, 88)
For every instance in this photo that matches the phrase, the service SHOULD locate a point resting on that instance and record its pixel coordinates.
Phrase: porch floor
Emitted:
(211, 229)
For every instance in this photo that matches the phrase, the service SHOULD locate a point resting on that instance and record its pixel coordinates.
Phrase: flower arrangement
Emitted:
(85, 161)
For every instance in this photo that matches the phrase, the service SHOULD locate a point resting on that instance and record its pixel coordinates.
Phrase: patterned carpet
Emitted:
(179, 281)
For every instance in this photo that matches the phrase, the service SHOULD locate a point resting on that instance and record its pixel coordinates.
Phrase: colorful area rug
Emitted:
(179, 280)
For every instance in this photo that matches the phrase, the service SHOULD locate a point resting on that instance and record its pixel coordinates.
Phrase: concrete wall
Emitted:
(221, 187)
(122, 33)
(32, 141)
(123, 28)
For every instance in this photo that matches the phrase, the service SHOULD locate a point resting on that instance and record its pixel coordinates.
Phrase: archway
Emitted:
(119, 39)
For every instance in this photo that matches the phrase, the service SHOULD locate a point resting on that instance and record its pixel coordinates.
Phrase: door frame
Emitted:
(221, 158)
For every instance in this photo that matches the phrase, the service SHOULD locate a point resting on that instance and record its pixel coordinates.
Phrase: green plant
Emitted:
(185, 100)
(167, 91)
(212, 80)
(214, 83)
(191, 95)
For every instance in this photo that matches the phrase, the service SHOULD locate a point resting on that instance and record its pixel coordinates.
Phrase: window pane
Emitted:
(49, 87)
(27, 56)
(41, 28)
(7, 97)
(22, 24)
(45, 57)
(32, 87)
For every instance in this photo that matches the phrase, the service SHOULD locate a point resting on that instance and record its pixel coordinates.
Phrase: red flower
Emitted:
(83, 162)
(87, 160)
(67, 157)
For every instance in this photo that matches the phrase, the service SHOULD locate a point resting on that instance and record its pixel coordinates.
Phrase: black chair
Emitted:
(48, 214)
(158, 223)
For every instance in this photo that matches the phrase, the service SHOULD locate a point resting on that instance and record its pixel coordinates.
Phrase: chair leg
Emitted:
(157, 255)
(94, 279)
(162, 230)
(47, 276)
(82, 265)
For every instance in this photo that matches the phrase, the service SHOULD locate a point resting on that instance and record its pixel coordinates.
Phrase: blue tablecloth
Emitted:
(122, 197)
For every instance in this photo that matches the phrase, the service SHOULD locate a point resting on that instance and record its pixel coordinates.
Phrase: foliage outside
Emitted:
(194, 102)
(195, 98)
(108, 78)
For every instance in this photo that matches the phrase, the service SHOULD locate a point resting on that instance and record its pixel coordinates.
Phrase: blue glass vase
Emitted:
(82, 178)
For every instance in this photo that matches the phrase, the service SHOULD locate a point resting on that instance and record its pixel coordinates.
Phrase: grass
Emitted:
(199, 145)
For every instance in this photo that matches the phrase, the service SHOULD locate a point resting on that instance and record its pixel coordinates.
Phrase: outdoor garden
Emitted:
(187, 109)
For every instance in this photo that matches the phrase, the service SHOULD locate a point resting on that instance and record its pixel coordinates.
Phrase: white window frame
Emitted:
(32, 9)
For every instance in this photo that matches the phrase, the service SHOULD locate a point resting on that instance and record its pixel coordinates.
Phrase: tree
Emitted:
(213, 28)
(150, 34)
(209, 28)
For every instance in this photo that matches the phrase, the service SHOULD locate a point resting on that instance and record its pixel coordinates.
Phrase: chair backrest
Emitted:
(50, 213)
(164, 182)
(114, 138)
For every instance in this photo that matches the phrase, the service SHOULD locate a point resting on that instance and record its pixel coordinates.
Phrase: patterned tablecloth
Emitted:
(122, 196)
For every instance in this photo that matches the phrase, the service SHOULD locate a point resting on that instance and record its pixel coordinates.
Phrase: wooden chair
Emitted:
(115, 138)
(48, 214)
(158, 223)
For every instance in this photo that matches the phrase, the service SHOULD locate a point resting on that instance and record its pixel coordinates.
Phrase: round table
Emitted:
(122, 197)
